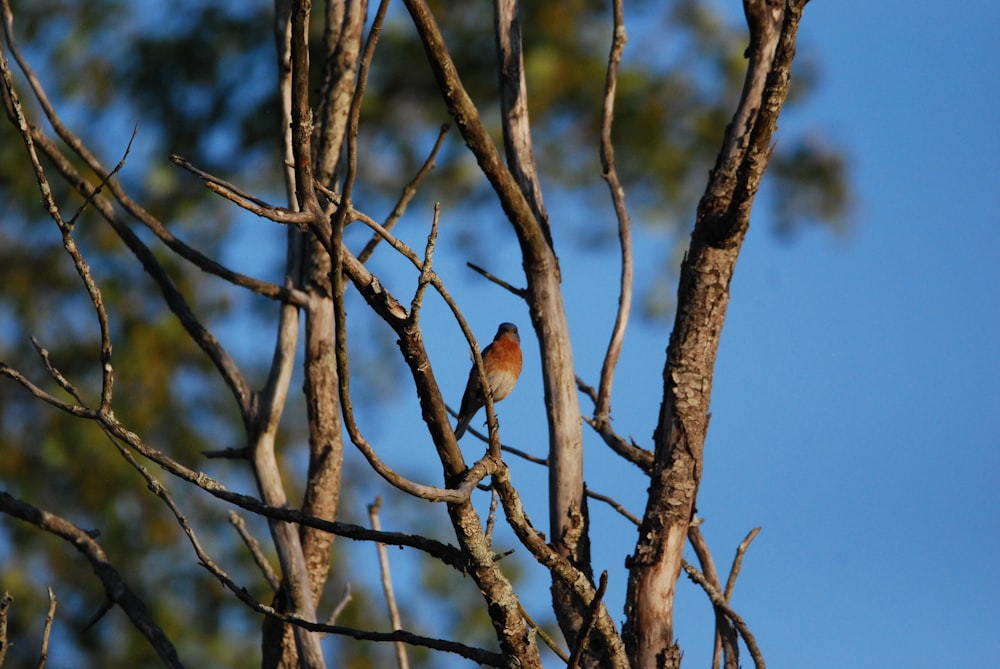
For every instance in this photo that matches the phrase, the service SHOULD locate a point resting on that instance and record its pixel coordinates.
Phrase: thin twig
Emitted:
(65, 229)
(730, 584)
(402, 661)
(63, 382)
(520, 292)
(254, 547)
(738, 561)
(491, 518)
(725, 635)
(406, 196)
(588, 624)
(189, 253)
(638, 456)
(543, 635)
(426, 273)
(602, 410)
(5, 603)
(115, 587)
(614, 505)
(341, 605)
(717, 600)
(50, 617)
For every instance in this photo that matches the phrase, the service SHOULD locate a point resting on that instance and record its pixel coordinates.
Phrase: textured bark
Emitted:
(703, 295)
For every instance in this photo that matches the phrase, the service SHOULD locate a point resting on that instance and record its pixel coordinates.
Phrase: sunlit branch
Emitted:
(719, 602)
(50, 616)
(172, 296)
(725, 635)
(409, 191)
(65, 228)
(602, 410)
(390, 596)
(638, 456)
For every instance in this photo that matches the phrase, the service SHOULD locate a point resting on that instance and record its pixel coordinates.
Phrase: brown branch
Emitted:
(703, 296)
(254, 547)
(5, 603)
(190, 254)
(638, 456)
(390, 596)
(299, 621)
(544, 636)
(65, 229)
(341, 605)
(588, 624)
(602, 410)
(514, 118)
(115, 587)
(426, 271)
(725, 635)
(449, 555)
(720, 603)
(560, 567)
(50, 616)
(738, 561)
(409, 191)
(520, 292)
(172, 296)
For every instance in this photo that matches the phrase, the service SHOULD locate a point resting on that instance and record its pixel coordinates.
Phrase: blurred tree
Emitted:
(200, 79)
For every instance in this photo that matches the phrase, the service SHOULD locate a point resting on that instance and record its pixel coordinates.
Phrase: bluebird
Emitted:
(502, 363)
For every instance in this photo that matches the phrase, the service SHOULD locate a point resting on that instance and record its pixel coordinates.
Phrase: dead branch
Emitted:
(50, 616)
(254, 547)
(409, 191)
(402, 661)
(602, 409)
(115, 587)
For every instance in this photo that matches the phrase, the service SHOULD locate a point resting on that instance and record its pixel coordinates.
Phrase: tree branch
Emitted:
(390, 596)
(115, 587)
(703, 296)
(602, 410)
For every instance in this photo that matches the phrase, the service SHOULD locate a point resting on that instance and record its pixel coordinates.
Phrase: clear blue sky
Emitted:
(855, 412)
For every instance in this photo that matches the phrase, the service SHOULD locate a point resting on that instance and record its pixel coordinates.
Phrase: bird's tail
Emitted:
(461, 426)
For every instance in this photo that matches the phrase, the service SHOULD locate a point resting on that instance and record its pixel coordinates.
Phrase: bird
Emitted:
(502, 363)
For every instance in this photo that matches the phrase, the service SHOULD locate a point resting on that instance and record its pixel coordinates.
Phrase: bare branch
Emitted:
(520, 292)
(50, 616)
(544, 636)
(602, 410)
(66, 229)
(115, 587)
(638, 456)
(588, 624)
(738, 561)
(390, 596)
(254, 547)
(341, 605)
(558, 565)
(5, 603)
(703, 296)
(408, 193)
(172, 296)
(738, 622)
(514, 109)
(426, 272)
(190, 254)
(725, 635)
